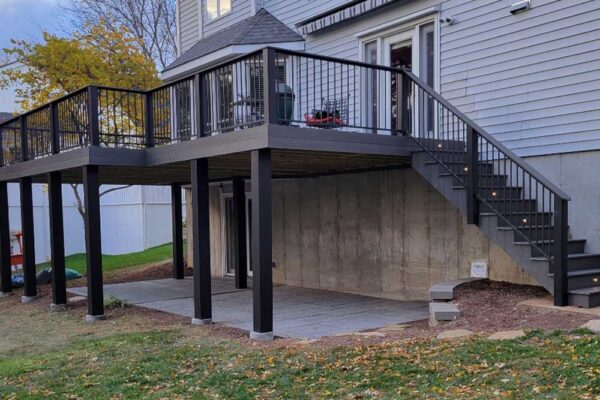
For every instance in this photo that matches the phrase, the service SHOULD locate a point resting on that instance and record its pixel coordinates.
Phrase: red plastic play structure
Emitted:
(17, 258)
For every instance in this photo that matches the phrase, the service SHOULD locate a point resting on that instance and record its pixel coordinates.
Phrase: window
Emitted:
(217, 8)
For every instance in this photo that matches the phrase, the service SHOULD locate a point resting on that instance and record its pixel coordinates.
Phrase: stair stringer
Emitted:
(488, 224)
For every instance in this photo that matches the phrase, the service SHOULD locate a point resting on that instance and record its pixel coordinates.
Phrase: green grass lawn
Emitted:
(180, 364)
(116, 262)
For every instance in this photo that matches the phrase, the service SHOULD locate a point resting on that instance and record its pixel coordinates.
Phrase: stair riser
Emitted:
(459, 168)
(494, 181)
(573, 248)
(535, 234)
(584, 282)
(509, 206)
(590, 301)
(501, 193)
(526, 219)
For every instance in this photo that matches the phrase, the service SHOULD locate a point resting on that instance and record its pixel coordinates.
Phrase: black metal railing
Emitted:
(496, 179)
(292, 88)
(324, 92)
(121, 118)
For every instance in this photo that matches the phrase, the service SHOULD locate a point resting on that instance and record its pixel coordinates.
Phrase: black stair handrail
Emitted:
(472, 156)
(481, 132)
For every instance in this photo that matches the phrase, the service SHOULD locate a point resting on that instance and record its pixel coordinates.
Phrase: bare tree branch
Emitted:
(79, 201)
(153, 22)
(114, 189)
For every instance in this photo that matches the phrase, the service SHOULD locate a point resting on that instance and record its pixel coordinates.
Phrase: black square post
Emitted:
(239, 230)
(5, 272)
(93, 246)
(262, 258)
(177, 228)
(57, 241)
(201, 246)
(30, 292)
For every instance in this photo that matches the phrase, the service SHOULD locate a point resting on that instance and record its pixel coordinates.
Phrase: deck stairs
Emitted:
(583, 268)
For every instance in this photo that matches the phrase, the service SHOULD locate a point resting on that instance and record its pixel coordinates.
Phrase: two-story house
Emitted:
(368, 146)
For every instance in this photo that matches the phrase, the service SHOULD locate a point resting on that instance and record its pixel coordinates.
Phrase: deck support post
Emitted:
(57, 240)
(201, 246)
(472, 176)
(239, 228)
(93, 246)
(5, 271)
(30, 292)
(262, 257)
(177, 229)
(561, 258)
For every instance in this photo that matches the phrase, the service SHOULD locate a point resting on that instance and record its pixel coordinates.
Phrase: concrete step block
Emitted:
(442, 312)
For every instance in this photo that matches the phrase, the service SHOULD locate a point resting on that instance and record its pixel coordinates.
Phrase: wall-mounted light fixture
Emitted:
(447, 20)
(520, 6)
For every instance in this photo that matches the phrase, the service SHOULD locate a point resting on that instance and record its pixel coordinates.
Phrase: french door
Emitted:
(412, 48)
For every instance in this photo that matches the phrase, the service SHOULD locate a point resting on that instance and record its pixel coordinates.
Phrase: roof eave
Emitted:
(204, 62)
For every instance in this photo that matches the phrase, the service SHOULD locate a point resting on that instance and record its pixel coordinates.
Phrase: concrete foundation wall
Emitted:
(385, 234)
(577, 174)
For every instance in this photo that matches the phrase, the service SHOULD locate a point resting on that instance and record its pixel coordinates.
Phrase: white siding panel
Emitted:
(189, 23)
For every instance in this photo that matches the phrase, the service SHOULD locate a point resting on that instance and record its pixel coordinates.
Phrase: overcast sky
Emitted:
(26, 19)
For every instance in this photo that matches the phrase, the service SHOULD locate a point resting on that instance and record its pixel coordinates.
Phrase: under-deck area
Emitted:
(300, 313)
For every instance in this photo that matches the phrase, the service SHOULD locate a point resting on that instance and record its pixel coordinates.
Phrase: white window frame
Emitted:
(224, 272)
(219, 14)
(382, 38)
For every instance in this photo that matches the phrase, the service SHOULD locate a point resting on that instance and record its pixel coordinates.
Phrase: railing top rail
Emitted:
(33, 110)
(509, 153)
(337, 60)
(210, 69)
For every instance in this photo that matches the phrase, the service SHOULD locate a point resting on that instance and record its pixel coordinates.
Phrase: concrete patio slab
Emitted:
(297, 312)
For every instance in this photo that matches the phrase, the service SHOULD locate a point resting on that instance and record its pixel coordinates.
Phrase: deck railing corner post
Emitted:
(472, 175)
(93, 117)
(23, 133)
(404, 109)
(269, 82)
(54, 128)
(201, 103)
(560, 253)
(149, 120)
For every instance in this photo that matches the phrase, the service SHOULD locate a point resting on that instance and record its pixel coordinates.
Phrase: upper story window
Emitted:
(217, 8)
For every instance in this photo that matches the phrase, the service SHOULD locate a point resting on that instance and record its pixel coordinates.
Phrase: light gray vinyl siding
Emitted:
(240, 9)
(343, 42)
(532, 79)
(189, 23)
(291, 12)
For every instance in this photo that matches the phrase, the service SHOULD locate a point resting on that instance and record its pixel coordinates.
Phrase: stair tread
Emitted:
(521, 242)
(571, 256)
(586, 291)
(486, 213)
(583, 272)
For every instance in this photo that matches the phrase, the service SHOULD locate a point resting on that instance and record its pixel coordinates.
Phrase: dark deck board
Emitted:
(296, 152)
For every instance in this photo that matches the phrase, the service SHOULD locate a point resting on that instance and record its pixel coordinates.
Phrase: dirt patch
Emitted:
(160, 270)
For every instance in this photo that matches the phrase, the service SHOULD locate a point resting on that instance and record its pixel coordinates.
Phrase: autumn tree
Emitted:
(102, 55)
(57, 66)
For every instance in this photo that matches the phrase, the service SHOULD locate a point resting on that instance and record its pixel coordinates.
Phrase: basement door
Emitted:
(229, 238)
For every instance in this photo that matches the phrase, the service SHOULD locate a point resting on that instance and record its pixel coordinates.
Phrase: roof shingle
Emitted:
(261, 28)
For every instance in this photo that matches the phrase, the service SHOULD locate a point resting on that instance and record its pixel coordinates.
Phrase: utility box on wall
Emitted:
(480, 269)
